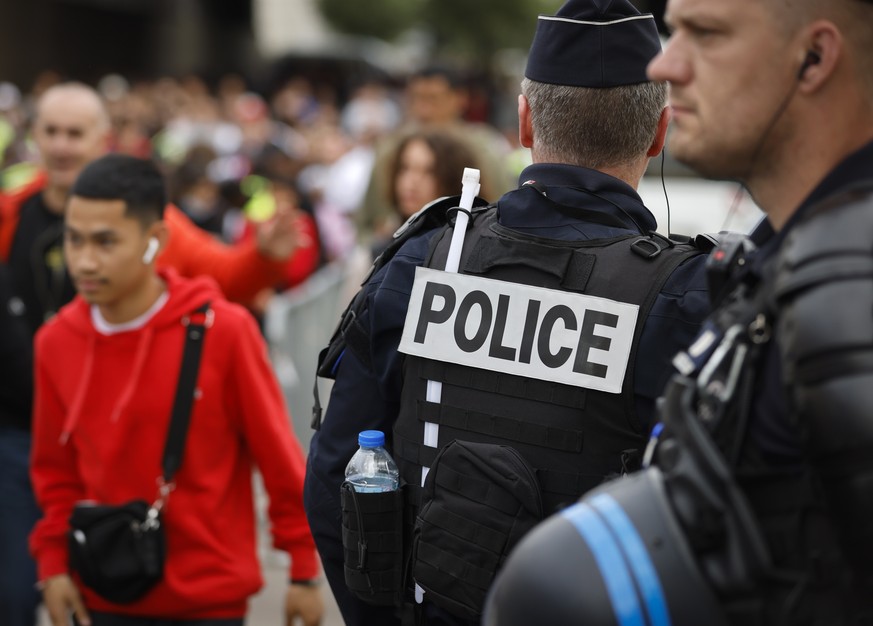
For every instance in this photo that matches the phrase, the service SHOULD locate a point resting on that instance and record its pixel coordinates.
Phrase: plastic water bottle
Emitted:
(371, 469)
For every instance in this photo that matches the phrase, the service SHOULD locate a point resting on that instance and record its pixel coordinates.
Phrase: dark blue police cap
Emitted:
(593, 43)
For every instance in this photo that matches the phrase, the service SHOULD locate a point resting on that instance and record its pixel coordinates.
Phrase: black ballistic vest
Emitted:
(573, 437)
(815, 514)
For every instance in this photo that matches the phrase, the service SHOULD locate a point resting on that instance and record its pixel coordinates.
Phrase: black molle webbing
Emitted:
(504, 384)
(420, 454)
(468, 529)
(376, 540)
(371, 581)
(501, 427)
(477, 490)
(450, 565)
(373, 548)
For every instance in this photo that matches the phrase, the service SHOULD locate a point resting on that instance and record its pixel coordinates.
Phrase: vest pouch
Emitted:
(478, 501)
(373, 544)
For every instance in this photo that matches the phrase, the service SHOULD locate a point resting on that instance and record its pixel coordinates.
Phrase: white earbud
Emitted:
(151, 251)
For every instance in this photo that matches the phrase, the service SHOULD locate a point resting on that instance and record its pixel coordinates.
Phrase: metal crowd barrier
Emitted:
(298, 324)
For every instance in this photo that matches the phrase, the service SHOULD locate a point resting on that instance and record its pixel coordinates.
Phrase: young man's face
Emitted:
(104, 250)
(731, 71)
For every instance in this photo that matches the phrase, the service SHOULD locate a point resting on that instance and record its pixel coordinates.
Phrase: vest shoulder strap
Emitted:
(436, 214)
(350, 333)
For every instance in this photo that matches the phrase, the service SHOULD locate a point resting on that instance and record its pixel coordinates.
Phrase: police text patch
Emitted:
(569, 338)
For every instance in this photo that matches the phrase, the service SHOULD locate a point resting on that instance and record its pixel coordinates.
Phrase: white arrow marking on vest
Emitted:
(546, 334)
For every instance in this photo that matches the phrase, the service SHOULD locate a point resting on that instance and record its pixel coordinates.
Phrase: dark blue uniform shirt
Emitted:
(368, 398)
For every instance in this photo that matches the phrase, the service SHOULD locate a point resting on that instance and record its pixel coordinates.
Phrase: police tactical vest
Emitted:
(572, 436)
(826, 259)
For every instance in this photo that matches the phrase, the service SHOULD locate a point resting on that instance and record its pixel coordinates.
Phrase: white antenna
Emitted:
(469, 190)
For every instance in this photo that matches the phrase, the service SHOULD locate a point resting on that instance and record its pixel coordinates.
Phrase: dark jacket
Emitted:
(368, 397)
(16, 358)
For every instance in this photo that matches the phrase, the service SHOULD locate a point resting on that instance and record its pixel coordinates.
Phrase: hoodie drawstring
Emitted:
(142, 350)
(79, 398)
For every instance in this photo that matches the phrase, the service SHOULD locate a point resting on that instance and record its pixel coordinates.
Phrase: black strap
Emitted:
(195, 328)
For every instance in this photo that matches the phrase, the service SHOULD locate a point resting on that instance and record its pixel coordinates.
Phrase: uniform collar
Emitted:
(565, 185)
(855, 168)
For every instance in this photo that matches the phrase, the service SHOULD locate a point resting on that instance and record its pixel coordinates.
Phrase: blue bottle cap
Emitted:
(371, 438)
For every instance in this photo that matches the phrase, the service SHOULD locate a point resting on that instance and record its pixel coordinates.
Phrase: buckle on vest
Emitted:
(347, 320)
(651, 246)
(646, 248)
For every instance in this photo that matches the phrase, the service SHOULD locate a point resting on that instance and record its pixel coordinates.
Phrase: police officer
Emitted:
(757, 506)
(565, 366)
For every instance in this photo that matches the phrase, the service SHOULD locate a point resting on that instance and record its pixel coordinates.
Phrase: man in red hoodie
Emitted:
(106, 372)
(72, 128)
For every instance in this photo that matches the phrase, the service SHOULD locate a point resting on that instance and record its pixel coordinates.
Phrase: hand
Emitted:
(60, 596)
(303, 602)
(280, 236)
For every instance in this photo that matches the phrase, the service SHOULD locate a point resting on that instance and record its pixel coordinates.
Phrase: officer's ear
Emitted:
(661, 134)
(525, 131)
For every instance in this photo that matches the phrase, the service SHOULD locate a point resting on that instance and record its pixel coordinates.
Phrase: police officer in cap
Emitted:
(757, 505)
(567, 363)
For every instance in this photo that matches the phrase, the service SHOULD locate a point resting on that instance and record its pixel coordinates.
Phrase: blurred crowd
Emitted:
(355, 169)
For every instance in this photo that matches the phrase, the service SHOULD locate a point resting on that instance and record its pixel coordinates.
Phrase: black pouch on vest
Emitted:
(478, 501)
(118, 551)
(373, 556)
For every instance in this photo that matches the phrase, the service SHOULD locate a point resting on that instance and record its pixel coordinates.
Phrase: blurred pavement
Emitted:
(266, 607)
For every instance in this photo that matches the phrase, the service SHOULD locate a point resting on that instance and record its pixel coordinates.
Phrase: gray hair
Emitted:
(594, 128)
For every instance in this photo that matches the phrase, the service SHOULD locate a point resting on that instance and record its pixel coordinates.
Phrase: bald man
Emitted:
(71, 129)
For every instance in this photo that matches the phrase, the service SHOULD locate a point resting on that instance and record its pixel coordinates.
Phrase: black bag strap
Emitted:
(195, 328)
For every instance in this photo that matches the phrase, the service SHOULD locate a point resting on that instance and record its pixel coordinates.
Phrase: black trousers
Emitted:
(113, 619)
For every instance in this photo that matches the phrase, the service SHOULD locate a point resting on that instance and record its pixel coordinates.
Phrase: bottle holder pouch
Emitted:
(373, 544)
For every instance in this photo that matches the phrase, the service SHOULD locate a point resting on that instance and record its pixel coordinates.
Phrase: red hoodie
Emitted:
(101, 414)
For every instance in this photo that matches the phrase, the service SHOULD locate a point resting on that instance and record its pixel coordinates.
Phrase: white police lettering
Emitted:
(546, 334)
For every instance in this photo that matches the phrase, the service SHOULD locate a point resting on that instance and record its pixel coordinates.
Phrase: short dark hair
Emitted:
(137, 182)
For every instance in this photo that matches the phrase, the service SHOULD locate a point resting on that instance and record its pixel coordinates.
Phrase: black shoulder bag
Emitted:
(119, 550)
